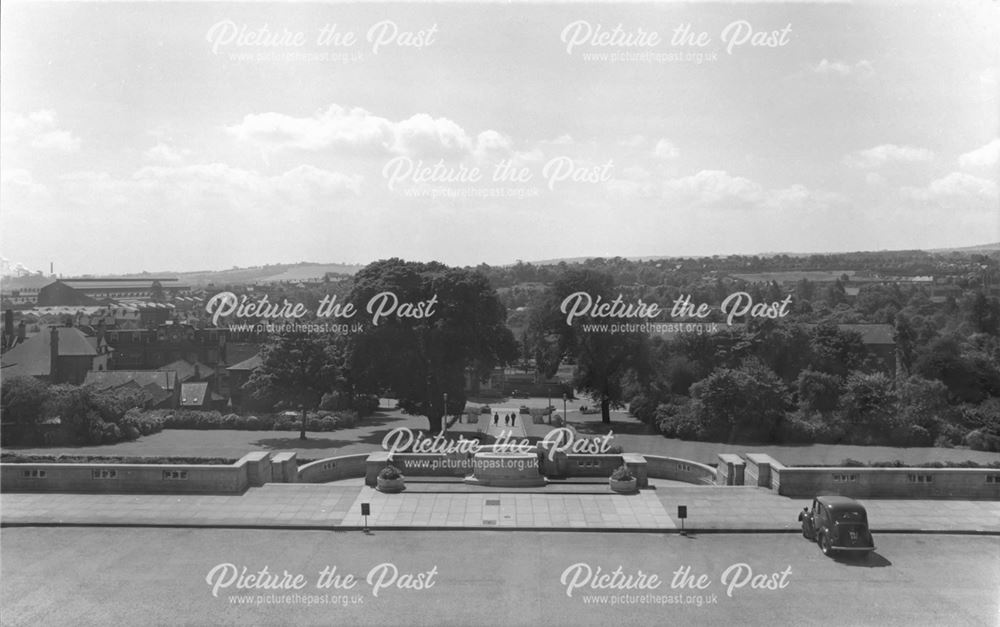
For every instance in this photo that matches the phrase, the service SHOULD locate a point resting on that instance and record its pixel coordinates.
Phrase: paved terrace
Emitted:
(564, 508)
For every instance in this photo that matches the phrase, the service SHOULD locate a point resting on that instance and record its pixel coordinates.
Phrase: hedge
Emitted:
(211, 420)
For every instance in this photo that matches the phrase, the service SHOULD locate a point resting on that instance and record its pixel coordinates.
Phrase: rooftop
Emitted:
(33, 357)
(163, 379)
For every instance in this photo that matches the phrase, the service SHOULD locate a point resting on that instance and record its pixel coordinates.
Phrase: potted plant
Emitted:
(623, 481)
(390, 480)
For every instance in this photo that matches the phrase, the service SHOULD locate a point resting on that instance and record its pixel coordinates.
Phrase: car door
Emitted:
(809, 522)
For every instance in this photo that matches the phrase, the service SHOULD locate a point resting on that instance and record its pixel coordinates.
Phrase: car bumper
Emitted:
(858, 549)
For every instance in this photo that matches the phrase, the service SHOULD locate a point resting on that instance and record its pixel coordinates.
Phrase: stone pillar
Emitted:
(285, 467)
(730, 471)
(373, 465)
(636, 464)
(258, 466)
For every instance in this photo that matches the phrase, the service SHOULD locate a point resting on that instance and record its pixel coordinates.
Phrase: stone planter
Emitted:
(624, 486)
(390, 486)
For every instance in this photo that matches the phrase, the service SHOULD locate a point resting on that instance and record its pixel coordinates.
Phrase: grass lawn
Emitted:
(632, 435)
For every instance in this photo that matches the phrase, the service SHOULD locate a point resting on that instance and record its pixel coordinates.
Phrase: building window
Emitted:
(992, 478)
(844, 478)
(920, 478)
(175, 474)
(33, 474)
(104, 474)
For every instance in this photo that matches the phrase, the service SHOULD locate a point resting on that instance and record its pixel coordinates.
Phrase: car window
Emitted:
(851, 516)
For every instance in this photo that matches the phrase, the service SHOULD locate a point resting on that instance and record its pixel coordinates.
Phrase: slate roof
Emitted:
(33, 357)
(162, 379)
(186, 370)
(248, 364)
(193, 394)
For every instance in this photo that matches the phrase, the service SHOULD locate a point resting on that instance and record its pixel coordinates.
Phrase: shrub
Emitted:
(982, 440)
(390, 473)
(644, 407)
(911, 435)
(622, 473)
(22, 399)
(348, 419)
(678, 421)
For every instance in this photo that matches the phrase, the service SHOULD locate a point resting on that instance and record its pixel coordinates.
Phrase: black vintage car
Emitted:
(837, 523)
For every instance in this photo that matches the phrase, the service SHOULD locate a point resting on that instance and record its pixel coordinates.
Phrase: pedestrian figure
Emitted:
(513, 418)
(506, 419)
(496, 418)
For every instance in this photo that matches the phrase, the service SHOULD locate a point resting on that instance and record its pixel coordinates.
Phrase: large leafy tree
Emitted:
(740, 403)
(420, 358)
(22, 399)
(604, 361)
(296, 370)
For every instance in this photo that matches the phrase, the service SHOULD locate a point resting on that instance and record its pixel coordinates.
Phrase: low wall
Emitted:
(912, 483)
(578, 465)
(333, 469)
(758, 469)
(127, 478)
(676, 469)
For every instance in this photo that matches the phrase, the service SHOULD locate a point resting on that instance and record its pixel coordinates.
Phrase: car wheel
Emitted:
(824, 544)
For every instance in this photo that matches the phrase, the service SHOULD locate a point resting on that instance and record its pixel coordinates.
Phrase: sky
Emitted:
(189, 136)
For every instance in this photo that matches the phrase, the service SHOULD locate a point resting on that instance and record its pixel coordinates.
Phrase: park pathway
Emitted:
(512, 433)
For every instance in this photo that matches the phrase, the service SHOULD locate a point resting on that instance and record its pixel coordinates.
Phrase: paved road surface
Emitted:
(86, 576)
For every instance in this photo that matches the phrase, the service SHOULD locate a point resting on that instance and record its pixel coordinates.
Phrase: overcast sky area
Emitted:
(155, 136)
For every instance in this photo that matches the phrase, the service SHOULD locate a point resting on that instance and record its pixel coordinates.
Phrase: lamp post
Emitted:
(444, 420)
(565, 415)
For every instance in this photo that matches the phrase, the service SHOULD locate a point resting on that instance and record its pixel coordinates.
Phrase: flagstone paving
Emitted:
(326, 505)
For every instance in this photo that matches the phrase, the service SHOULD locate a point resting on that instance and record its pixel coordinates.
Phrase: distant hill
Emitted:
(260, 274)
(981, 248)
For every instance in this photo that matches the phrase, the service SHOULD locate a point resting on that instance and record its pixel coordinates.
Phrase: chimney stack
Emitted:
(54, 354)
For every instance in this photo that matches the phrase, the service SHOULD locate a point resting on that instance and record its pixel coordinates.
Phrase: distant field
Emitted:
(816, 276)
(300, 273)
(277, 272)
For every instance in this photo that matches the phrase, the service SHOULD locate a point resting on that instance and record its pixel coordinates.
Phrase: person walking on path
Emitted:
(496, 419)
(513, 419)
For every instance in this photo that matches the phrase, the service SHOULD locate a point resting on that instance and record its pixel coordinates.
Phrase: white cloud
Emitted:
(635, 141)
(39, 129)
(987, 156)
(165, 153)
(887, 153)
(958, 189)
(420, 135)
(862, 68)
(874, 179)
(207, 193)
(717, 188)
(303, 182)
(665, 150)
(713, 187)
(20, 188)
